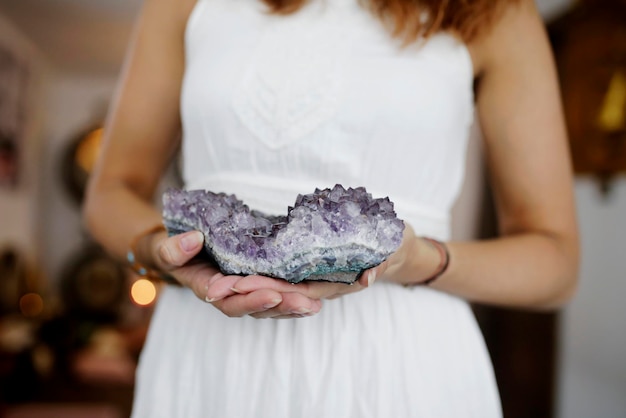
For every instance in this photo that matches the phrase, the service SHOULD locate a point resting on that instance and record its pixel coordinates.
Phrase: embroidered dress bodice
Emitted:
(325, 96)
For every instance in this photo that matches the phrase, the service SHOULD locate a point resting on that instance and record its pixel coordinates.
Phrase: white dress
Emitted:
(275, 106)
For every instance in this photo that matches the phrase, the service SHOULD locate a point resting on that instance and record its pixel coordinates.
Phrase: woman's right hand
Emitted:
(175, 255)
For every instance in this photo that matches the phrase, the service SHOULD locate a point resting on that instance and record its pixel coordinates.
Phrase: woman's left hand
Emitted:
(315, 291)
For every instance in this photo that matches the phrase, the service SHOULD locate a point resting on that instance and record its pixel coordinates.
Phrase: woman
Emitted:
(379, 94)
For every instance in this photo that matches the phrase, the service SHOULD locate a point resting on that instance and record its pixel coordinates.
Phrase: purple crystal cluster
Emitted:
(331, 234)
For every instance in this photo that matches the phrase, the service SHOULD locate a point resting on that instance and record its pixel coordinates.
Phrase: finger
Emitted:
(257, 301)
(220, 286)
(329, 290)
(310, 289)
(369, 276)
(197, 277)
(251, 283)
(178, 250)
(293, 305)
(294, 316)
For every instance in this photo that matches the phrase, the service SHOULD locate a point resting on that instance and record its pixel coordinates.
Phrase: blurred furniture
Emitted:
(589, 44)
(63, 411)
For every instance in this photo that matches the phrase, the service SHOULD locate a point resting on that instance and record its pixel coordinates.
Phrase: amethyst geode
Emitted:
(329, 235)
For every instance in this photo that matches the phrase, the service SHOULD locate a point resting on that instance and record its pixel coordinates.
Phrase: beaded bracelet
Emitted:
(141, 269)
(444, 256)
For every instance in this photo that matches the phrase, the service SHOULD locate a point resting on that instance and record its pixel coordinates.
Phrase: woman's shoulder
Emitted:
(507, 34)
(186, 7)
(175, 12)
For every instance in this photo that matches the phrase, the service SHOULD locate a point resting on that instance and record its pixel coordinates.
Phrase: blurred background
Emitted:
(73, 321)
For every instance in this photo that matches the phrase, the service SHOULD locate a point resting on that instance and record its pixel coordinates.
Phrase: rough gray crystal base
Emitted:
(328, 235)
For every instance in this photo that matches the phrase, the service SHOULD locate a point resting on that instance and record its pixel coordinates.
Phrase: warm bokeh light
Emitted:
(89, 149)
(143, 292)
(31, 305)
(612, 116)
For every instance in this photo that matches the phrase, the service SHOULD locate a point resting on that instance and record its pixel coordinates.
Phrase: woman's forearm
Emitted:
(115, 215)
(531, 270)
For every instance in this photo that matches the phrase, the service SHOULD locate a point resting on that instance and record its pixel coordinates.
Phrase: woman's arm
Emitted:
(142, 130)
(535, 261)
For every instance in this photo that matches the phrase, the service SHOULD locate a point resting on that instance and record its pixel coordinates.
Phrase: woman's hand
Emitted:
(394, 268)
(413, 262)
(309, 290)
(174, 255)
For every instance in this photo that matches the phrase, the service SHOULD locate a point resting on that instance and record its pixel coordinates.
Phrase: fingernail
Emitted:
(191, 241)
(371, 278)
(272, 304)
(211, 300)
(302, 311)
(236, 290)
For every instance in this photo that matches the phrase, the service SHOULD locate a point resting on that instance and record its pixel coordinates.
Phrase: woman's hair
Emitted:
(411, 19)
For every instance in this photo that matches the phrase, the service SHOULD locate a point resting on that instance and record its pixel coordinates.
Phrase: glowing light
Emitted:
(31, 305)
(89, 149)
(143, 292)
(612, 116)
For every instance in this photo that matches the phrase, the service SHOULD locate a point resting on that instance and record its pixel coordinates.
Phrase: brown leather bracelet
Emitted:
(444, 261)
(141, 269)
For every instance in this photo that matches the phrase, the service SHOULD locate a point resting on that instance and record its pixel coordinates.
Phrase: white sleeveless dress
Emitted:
(275, 106)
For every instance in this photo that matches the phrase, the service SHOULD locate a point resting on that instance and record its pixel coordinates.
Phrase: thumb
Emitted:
(177, 250)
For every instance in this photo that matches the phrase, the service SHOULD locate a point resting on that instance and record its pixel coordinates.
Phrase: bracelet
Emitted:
(444, 256)
(141, 269)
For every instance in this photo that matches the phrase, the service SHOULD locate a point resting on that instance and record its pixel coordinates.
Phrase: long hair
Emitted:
(412, 19)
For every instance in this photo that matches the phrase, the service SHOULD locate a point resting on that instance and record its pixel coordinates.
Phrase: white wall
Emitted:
(73, 103)
(593, 341)
(552, 8)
